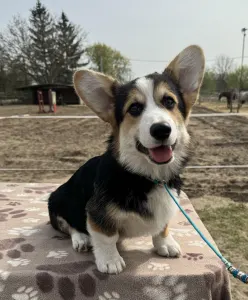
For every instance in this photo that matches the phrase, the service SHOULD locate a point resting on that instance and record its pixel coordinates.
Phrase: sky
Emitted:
(151, 32)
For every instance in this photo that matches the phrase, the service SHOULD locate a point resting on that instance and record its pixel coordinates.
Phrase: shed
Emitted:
(28, 94)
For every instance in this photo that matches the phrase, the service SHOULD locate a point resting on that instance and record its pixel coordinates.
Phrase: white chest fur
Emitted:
(161, 207)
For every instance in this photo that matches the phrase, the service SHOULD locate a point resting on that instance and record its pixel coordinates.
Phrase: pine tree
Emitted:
(44, 62)
(70, 47)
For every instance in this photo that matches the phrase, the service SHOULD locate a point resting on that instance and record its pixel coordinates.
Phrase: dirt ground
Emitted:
(222, 107)
(219, 195)
(68, 143)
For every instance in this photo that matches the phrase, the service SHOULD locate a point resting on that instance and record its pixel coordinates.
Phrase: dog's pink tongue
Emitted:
(161, 154)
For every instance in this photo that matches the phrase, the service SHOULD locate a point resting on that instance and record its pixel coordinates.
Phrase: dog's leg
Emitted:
(165, 244)
(80, 241)
(108, 259)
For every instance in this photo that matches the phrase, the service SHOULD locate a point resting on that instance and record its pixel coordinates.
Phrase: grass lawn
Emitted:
(227, 222)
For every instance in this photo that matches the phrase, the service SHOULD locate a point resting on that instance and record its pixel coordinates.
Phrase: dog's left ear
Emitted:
(188, 70)
(95, 89)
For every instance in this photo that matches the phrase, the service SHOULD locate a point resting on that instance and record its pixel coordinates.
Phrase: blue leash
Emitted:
(234, 271)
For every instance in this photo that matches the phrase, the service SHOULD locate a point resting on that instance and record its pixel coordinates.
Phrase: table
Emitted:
(38, 263)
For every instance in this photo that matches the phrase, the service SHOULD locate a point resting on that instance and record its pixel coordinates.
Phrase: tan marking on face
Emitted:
(97, 228)
(133, 96)
(176, 115)
(129, 122)
(165, 232)
(163, 89)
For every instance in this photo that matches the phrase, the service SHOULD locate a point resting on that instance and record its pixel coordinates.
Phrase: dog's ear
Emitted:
(188, 70)
(95, 89)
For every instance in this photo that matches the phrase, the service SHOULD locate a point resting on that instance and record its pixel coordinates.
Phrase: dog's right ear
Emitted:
(95, 89)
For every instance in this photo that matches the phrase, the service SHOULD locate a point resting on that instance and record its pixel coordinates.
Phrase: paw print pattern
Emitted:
(30, 220)
(18, 262)
(12, 185)
(182, 232)
(57, 277)
(197, 244)
(3, 197)
(30, 185)
(57, 254)
(6, 191)
(193, 256)
(3, 277)
(34, 201)
(25, 293)
(108, 296)
(22, 195)
(2, 287)
(184, 223)
(10, 213)
(26, 231)
(44, 214)
(154, 266)
(33, 209)
(39, 190)
(188, 211)
(142, 245)
(14, 203)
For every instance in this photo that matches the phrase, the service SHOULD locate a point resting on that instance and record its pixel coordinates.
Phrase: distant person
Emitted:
(40, 101)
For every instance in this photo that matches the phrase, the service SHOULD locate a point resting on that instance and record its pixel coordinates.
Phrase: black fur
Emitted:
(98, 183)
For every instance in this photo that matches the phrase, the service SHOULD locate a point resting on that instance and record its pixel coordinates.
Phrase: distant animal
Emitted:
(117, 195)
(230, 97)
(242, 98)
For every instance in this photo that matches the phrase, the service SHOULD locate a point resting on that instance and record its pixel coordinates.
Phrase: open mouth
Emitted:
(160, 155)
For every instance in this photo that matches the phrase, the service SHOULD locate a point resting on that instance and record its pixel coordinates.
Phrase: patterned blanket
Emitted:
(38, 263)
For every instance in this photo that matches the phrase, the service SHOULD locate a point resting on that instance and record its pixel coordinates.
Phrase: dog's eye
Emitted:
(168, 102)
(136, 109)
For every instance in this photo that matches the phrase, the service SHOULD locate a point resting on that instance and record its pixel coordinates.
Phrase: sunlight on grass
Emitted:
(228, 225)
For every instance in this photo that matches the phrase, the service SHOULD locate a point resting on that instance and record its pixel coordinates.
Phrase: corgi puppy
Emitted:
(116, 195)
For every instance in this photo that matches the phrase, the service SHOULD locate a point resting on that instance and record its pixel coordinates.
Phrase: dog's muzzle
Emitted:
(162, 154)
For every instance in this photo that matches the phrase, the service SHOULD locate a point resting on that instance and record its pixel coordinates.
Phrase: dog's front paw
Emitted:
(169, 250)
(114, 266)
(80, 242)
(167, 247)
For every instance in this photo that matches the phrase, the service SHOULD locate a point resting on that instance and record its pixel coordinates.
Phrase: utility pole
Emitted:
(101, 65)
(243, 30)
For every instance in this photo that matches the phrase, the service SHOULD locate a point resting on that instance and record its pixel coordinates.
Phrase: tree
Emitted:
(109, 61)
(44, 62)
(222, 67)
(70, 48)
(14, 55)
(233, 78)
(43, 51)
(209, 82)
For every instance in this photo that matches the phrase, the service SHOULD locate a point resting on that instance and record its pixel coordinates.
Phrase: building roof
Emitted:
(45, 86)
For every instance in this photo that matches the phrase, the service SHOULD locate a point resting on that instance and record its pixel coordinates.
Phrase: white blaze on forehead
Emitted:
(152, 114)
(145, 86)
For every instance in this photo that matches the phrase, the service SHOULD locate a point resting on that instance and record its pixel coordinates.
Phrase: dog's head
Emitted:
(149, 114)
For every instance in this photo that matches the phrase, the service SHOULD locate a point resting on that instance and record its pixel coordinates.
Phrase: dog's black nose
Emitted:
(160, 131)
